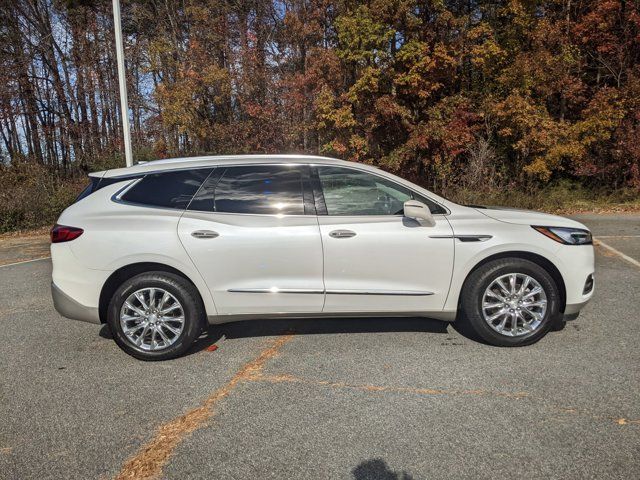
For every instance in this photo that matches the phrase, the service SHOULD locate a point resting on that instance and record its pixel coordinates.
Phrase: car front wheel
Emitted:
(155, 316)
(510, 302)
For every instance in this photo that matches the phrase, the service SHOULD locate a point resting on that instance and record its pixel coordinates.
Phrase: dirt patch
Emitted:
(21, 248)
(603, 251)
(38, 232)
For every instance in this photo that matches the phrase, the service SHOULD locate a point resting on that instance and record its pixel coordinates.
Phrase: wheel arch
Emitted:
(539, 260)
(128, 271)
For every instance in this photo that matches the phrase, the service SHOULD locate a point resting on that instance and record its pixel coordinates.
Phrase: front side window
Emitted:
(254, 189)
(167, 189)
(354, 192)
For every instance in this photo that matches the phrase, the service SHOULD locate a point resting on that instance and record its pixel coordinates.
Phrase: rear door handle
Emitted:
(342, 234)
(205, 234)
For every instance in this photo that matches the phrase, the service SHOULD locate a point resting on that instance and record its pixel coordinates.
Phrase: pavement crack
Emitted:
(148, 462)
(626, 421)
(600, 417)
(287, 378)
(259, 377)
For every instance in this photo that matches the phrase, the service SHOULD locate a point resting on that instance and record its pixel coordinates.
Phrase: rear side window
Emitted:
(167, 189)
(259, 189)
(89, 189)
(97, 183)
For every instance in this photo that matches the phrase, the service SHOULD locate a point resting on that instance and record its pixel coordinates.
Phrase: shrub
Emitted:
(31, 195)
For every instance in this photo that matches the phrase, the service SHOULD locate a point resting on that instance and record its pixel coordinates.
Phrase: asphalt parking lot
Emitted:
(340, 398)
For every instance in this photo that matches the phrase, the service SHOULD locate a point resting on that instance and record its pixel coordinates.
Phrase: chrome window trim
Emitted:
(275, 215)
(116, 197)
(152, 172)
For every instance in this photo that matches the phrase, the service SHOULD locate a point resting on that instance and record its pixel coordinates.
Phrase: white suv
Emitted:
(160, 249)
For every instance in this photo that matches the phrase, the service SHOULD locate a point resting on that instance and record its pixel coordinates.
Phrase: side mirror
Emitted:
(418, 211)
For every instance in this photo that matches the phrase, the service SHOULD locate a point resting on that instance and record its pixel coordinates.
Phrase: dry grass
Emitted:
(39, 232)
(563, 198)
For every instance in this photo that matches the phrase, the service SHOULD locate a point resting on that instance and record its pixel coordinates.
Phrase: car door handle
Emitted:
(205, 234)
(342, 234)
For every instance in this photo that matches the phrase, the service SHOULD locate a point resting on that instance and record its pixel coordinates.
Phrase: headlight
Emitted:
(565, 235)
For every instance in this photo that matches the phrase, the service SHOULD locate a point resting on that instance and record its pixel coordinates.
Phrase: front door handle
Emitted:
(205, 234)
(342, 234)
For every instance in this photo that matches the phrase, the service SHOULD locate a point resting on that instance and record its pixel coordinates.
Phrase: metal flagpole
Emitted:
(122, 81)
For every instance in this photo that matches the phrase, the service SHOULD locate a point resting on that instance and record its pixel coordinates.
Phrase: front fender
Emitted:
(504, 239)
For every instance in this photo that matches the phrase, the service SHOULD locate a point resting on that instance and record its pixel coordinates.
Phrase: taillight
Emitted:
(63, 233)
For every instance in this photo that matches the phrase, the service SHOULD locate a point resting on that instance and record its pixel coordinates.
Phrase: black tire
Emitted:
(478, 281)
(182, 290)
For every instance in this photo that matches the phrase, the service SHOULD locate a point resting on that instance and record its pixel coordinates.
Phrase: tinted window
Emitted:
(167, 189)
(203, 200)
(97, 183)
(88, 190)
(354, 192)
(260, 189)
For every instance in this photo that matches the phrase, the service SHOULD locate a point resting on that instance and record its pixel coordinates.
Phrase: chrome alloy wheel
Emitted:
(514, 304)
(152, 319)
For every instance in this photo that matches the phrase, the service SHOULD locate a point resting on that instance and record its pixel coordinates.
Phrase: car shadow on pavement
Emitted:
(312, 326)
(307, 326)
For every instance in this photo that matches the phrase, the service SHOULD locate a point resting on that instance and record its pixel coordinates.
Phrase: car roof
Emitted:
(224, 160)
(213, 160)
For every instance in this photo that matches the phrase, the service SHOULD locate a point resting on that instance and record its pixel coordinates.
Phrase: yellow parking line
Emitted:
(152, 457)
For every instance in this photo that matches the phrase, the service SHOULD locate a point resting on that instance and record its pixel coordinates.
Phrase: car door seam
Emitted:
(453, 265)
(195, 266)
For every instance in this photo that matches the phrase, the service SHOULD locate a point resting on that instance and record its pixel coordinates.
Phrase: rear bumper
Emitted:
(68, 307)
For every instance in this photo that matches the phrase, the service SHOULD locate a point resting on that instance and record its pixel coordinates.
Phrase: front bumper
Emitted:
(576, 265)
(572, 310)
(68, 307)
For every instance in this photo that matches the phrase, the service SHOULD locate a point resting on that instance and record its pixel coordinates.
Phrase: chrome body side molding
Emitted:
(408, 293)
(277, 290)
(465, 238)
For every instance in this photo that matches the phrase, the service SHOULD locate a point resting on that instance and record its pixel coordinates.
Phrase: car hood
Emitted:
(527, 217)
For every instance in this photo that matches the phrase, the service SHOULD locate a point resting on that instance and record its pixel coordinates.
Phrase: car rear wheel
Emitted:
(155, 316)
(510, 302)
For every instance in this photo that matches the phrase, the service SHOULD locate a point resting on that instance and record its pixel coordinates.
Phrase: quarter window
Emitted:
(354, 192)
(167, 189)
(257, 189)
